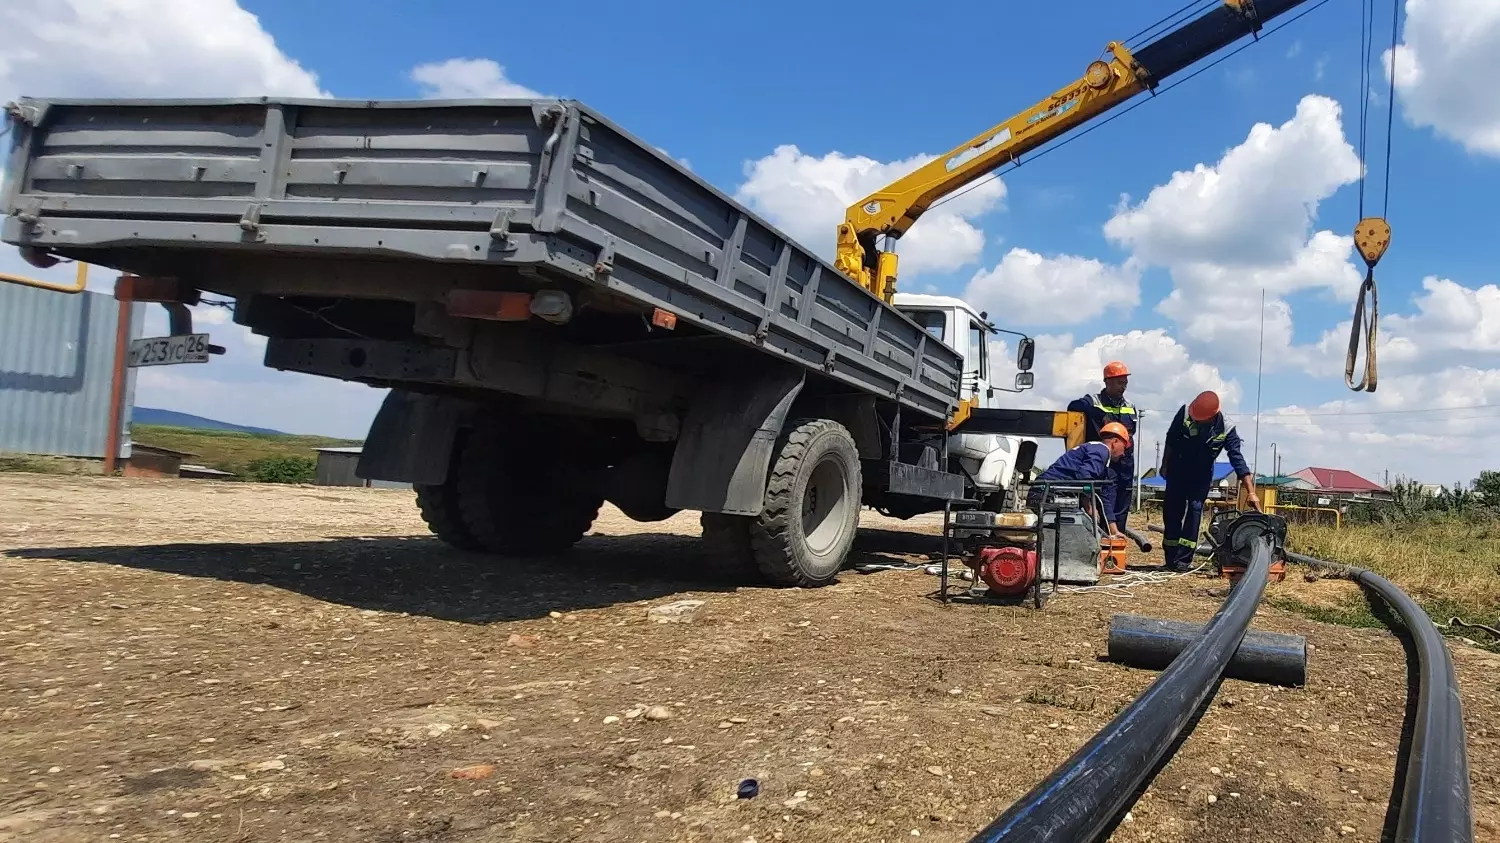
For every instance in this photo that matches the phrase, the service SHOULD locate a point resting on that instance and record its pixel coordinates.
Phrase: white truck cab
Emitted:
(990, 460)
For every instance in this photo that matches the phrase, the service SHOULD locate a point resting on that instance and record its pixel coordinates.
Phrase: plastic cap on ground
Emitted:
(1115, 369)
(1116, 429)
(1204, 407)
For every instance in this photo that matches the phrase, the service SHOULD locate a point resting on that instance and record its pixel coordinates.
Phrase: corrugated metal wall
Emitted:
(56, 356)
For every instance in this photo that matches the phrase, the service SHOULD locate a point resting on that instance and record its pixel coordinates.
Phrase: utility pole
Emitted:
(1259, 365)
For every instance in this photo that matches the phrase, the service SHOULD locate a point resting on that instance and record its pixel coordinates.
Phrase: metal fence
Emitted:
(56, 363)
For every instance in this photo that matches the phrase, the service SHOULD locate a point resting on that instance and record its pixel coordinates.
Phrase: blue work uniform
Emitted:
(1189, 452)
(1098, 410)
(1086, 463)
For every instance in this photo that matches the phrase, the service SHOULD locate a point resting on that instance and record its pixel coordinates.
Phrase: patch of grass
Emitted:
(1351, 611)
(1450, 565)
(233, 451)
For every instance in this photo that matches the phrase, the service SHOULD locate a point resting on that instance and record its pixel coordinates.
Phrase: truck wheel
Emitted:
(439, 508)
(812, 505)
(515, 503)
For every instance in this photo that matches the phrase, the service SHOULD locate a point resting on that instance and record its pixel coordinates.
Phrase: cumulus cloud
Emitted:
(1425, 426)
(143, 48)
(1228, 230)
(468, 79)
(806, 196)
(1442, 68)
(1032, 289)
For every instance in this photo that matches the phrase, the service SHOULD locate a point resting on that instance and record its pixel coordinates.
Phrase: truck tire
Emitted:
(439, 507)
(516, 503)
(811, 511)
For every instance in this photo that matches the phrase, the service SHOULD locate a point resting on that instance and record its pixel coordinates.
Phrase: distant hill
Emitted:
(172, 418)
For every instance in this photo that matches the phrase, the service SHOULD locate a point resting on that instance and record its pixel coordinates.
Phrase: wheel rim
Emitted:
(825, 506)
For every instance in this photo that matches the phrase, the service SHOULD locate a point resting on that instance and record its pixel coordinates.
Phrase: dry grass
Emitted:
(40, 464)
(1450, 565)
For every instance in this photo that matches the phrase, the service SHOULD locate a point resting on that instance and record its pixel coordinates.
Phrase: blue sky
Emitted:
(723, 86)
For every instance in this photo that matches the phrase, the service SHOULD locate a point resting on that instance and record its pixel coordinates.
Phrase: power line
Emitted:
(1381, 412)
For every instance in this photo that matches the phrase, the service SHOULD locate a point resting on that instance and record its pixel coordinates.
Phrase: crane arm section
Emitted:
(1123, 74)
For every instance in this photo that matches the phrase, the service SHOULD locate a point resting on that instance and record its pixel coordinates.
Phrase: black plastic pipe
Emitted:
(1081, 799)
(1140, 541)
(1272, 658)
(1435, 797)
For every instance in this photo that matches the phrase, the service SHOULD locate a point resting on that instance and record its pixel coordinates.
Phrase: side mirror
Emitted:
(1025, 356)
(1024, 380)
(1026, 457)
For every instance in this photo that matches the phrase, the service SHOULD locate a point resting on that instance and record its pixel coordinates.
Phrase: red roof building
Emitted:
(1337, 481)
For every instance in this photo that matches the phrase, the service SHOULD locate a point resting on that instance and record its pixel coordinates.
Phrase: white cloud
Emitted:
(468, 79)
(1253, 207)
(1377, 432)
(806, 196)
(1442, 70)
(1228, 230)
(1031, 289)
(143, 48)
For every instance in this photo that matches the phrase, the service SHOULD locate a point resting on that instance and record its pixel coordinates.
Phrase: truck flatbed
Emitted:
(408, 200)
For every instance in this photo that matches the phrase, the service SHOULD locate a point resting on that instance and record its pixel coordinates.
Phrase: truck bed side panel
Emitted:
(496, 182)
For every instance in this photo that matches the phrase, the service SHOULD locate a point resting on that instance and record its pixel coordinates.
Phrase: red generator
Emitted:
(1006, 570)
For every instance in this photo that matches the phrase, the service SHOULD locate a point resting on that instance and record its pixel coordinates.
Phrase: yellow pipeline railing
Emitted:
(80, 281)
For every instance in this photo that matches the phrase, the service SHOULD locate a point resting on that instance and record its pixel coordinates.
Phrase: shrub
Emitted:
(284, 469)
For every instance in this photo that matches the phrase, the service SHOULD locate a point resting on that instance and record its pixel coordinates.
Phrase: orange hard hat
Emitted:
(1116, 429)
(1115, 369)
(1205, 406)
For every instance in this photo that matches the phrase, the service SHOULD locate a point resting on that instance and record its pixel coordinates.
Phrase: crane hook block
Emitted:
(1372, 237)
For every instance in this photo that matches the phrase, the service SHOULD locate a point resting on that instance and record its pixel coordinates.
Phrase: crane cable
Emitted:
(1372, 235)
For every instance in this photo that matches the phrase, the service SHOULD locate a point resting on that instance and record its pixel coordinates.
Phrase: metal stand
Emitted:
(1038, 594)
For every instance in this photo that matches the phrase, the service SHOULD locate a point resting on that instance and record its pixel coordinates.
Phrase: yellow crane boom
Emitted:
(1122, 74)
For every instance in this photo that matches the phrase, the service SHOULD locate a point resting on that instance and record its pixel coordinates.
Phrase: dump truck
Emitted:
(563, 314)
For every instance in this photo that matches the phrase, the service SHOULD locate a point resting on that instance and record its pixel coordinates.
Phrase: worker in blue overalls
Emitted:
(1109, 405)
(1087, 463)
(1196, 437)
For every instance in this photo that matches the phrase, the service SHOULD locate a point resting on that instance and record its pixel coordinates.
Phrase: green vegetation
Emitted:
(268, 458)
(283, 469)
(1443, 549)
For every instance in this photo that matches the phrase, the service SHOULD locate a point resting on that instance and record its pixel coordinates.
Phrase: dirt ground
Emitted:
(204, 661)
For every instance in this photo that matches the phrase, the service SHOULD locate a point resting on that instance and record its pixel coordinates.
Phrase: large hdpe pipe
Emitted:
(1140, 541)
(1435, 797)
(1273, 658)
(1082, 798)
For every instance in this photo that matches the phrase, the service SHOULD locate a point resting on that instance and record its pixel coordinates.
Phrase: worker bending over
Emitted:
(1110, 407)
(1087, 463)
(1192, 445)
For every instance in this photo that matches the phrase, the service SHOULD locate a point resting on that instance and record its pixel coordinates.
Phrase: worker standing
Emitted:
(1087, 463)
(1109, 406)
(1198, 434)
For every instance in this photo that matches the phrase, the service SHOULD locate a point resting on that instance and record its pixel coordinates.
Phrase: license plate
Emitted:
(165, 351)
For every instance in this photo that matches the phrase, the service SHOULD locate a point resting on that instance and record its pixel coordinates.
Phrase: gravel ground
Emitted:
(205, 661)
